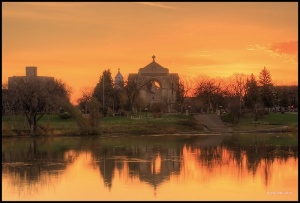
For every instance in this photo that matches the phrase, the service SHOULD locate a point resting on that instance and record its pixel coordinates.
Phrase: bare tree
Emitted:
(35, 97)
(236, 87)
(132, 88)
(94, 112)
(183, 89)
(89, 104)
(85, 98)
(209, 91)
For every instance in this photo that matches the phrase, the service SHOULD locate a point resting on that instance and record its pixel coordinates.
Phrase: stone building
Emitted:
(31, 71)
(158, 85)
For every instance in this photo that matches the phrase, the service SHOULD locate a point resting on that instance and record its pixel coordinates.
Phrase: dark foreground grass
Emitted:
(281, 119)
(272, 120)
(53, 124)
(149, 125)
(128, 125)
(143, 124)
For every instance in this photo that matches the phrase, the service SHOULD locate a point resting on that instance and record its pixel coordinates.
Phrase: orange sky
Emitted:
(76, 41)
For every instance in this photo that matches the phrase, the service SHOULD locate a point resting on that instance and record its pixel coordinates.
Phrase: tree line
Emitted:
(241, 93)
(235, 95)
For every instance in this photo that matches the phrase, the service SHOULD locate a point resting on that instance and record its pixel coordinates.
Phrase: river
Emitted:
(169, 167)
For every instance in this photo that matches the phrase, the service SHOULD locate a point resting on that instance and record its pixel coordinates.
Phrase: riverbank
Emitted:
(137, 125)
(273, 122)
(143, 124)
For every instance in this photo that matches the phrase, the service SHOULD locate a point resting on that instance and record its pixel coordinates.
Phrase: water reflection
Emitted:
(212, 167)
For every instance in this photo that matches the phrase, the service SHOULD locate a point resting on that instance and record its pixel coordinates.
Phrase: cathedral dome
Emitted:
(119, 79)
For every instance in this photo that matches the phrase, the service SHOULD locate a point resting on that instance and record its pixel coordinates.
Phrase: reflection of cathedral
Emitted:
(151, 159)
(158, 84)
(157, 165)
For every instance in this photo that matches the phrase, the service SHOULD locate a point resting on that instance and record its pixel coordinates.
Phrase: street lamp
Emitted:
(103, 92)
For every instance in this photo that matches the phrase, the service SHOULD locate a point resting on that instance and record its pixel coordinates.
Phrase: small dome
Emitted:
(119, 82)
(119, 77)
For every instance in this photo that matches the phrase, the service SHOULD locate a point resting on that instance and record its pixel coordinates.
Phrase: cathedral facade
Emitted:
(157, 84)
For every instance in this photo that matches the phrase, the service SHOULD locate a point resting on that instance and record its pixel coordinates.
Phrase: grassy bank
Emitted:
(288, 121)
(143, 124)
(54, 125)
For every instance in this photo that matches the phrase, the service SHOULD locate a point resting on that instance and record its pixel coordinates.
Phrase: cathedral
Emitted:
(157, 84)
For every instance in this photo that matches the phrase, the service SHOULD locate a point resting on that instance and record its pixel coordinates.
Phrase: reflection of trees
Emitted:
(211, 151)
(258, 151)
(32, 175)
(245, 154)
(210, 156)
(152, 159)
(29, 161)
(107, 171)
(106, 166)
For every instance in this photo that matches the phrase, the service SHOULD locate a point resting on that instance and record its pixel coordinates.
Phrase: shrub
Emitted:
(190, 122)
(261, 112)
(228, 118)
(157, 114)
(94, 115)
(157, 107)
(65, 115)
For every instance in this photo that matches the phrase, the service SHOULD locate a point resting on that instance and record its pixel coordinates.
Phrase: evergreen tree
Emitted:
(266, 90)
(252, 94)
(104, 91)
(283, 100)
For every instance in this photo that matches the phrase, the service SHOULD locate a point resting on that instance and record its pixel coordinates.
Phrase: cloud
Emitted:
(285, 47)
(54, 4)
(265, 48)
(155, 4)
(281, 49)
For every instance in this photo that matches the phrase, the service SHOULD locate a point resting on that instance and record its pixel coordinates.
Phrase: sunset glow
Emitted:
(76, 42)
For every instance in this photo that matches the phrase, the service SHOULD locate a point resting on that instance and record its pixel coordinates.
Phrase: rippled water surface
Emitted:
(189, 167)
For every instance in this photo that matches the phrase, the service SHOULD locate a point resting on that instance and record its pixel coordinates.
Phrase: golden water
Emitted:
(157, 168)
